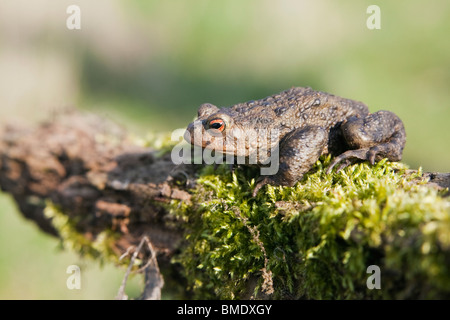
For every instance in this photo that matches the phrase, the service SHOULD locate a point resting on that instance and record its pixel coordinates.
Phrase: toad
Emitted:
(293, 129)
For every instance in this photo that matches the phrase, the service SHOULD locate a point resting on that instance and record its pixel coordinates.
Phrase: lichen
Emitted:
(316, 240)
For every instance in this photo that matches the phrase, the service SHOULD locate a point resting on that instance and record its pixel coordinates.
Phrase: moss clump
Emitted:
(317, 239)
(100, 248)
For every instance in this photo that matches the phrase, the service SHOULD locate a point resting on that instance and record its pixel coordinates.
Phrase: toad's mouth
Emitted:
(196, 135)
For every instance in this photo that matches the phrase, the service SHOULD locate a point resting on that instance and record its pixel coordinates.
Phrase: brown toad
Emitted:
(294, 128)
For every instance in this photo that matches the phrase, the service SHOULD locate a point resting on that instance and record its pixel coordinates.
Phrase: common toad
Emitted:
(294, 128)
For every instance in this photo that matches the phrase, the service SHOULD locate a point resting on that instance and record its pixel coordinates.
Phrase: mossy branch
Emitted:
(320, 236)
(101, 193)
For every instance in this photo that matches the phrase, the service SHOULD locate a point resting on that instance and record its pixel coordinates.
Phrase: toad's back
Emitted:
(296, 108)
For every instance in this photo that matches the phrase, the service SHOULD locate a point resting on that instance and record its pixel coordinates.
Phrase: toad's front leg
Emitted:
(298, 151)
(374, 137)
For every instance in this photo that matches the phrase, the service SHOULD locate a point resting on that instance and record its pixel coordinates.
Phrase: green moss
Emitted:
(316, 239)
(100, 248)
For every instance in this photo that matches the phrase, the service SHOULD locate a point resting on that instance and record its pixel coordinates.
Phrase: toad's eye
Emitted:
(217, 124)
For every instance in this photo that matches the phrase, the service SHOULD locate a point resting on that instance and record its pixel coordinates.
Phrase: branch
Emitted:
(92, 171)
(153, 278)
(107, 194)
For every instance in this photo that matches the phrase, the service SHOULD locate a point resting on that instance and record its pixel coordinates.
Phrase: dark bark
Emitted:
(89, 167)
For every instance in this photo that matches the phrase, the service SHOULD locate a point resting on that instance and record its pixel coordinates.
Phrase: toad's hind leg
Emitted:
(378, 135)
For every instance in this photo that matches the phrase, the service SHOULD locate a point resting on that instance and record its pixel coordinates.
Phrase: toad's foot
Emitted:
(351, 156)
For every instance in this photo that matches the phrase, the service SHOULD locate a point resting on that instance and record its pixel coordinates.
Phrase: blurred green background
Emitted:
(148, 65)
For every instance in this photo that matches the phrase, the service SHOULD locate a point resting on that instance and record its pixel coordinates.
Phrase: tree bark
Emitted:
(91, 169)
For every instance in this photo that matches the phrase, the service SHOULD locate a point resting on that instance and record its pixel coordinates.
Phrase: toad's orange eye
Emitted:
(217, 124)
